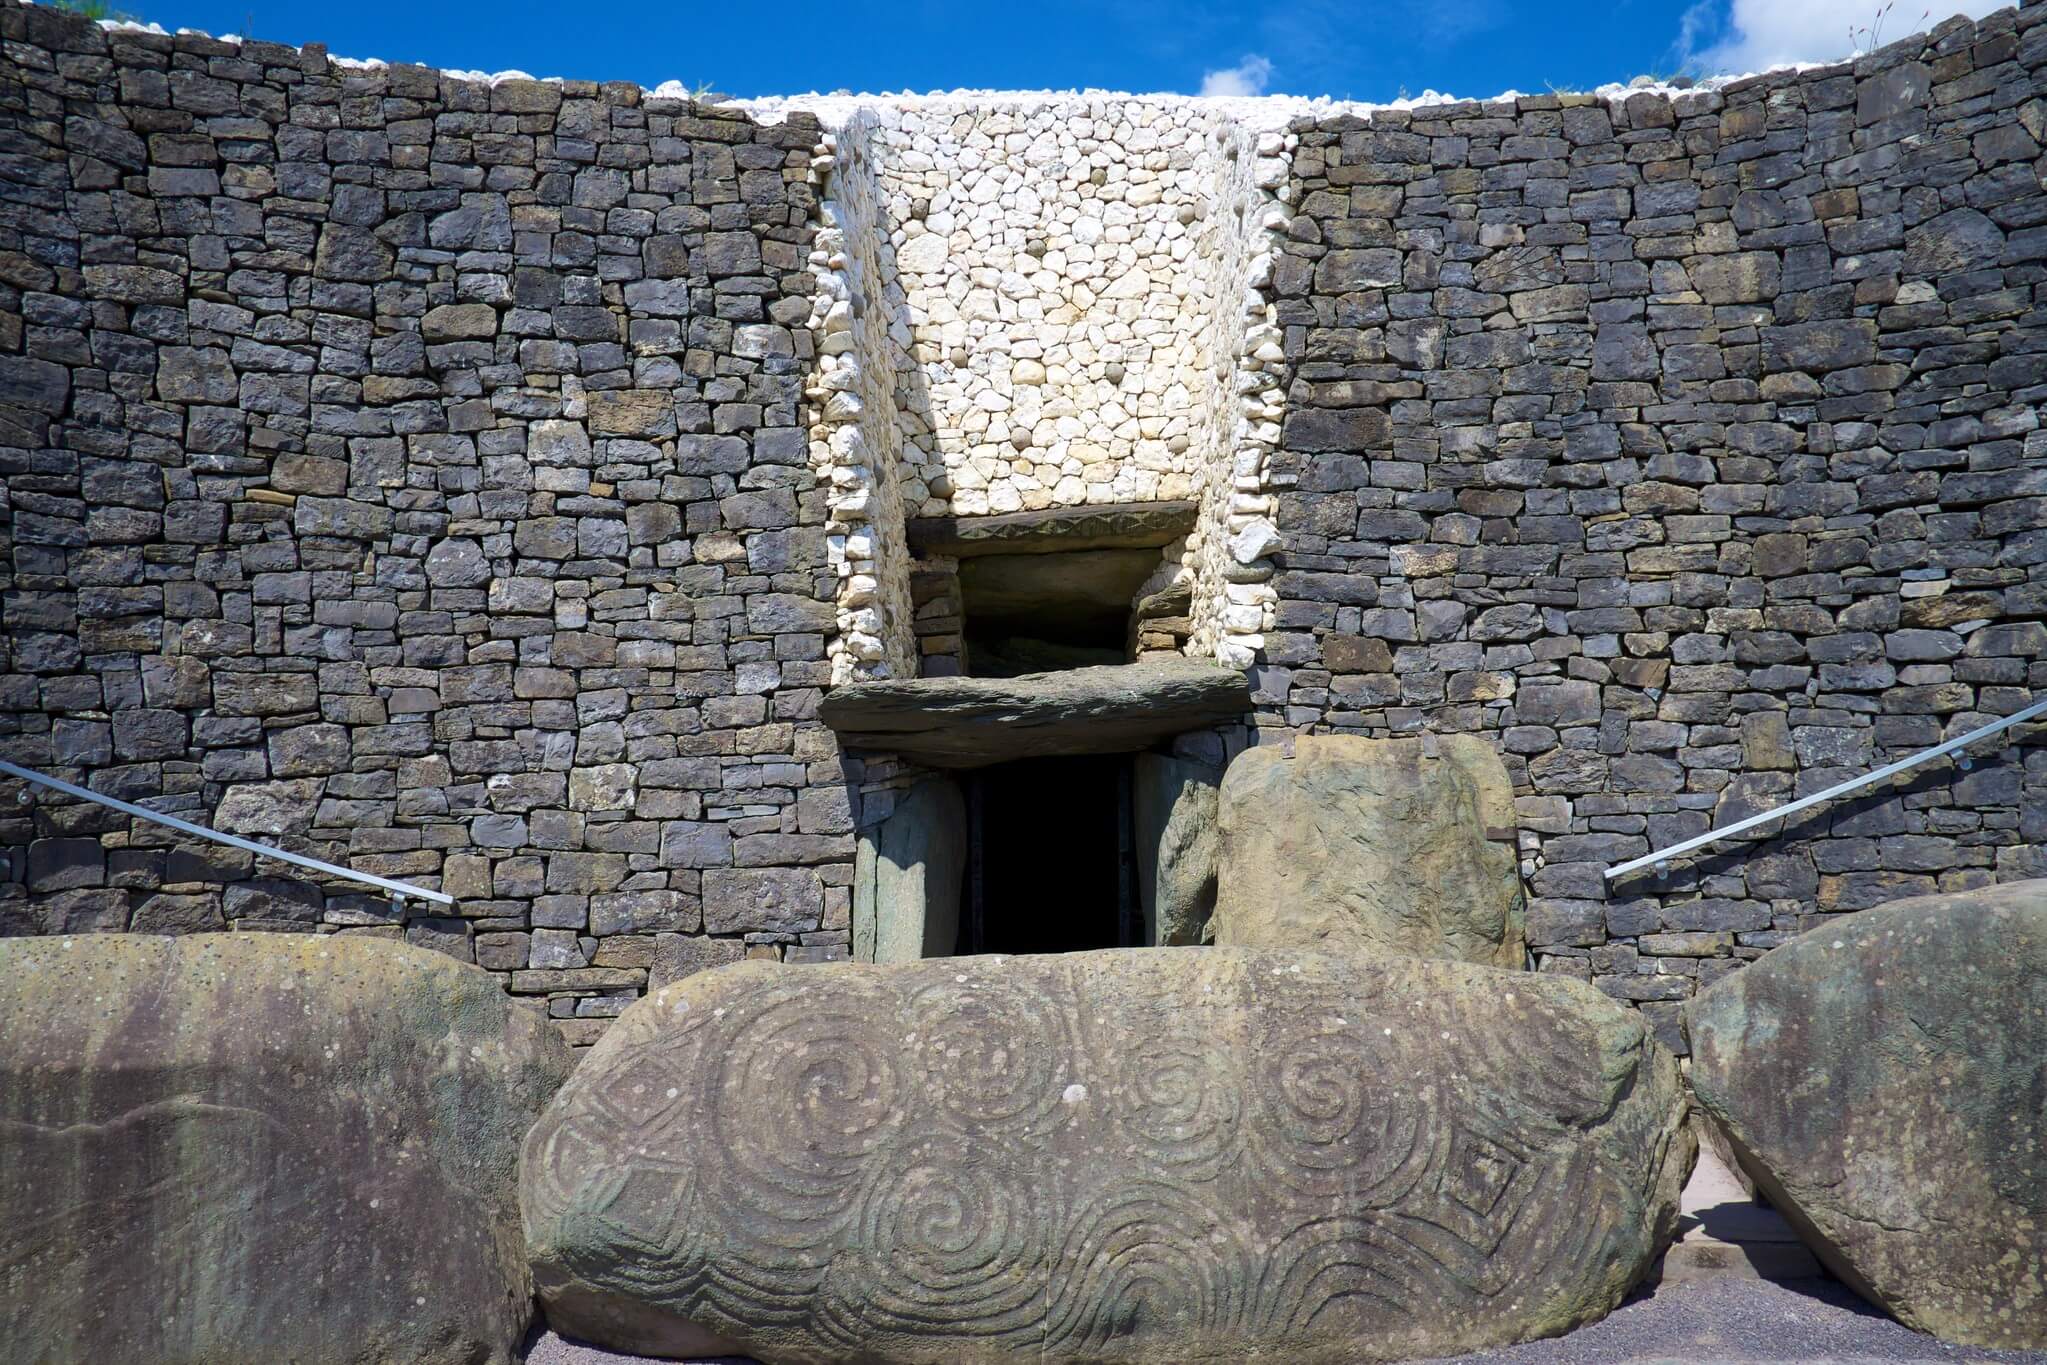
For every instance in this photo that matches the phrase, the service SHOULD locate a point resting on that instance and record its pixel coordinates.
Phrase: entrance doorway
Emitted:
(1051, 865)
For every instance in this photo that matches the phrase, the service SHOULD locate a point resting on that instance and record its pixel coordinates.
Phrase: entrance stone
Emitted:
(972, 722)
(1884, 1080)
(1145, 1156)
(906, 879)
(231, 1147)
(1373, 845)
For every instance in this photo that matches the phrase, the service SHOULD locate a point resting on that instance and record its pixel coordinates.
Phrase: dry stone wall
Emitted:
(1690, 447)
(480, 482)
(413, 470)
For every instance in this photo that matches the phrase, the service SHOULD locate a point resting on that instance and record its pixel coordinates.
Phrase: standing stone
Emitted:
(262, 1147)
(1146, 1156)
(907, 877)
(1885, 1082)
(1372, 845)
(1174, 807)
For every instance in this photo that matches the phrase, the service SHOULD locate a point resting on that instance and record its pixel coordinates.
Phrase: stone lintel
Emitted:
(1109, 526)
(973, 722)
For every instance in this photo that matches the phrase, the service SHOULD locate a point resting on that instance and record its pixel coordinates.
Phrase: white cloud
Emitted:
(1755, 35)
(1247, 77)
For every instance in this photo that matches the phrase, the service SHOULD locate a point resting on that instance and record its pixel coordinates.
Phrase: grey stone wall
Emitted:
(413, 471)
(1690, 446)
(410, 470)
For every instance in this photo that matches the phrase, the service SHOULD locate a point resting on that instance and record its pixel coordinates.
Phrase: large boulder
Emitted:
(232, 1147)
(1884, 1080)
(1401, 846)
(1150, 1155)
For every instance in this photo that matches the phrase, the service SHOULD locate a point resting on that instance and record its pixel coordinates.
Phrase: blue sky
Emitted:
(1357, 49)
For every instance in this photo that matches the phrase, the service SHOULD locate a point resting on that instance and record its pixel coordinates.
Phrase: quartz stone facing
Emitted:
(481, 483)
(1688, 446)
(413, 469)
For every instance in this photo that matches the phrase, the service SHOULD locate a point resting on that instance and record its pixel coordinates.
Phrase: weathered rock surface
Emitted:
(972, 722)
(1371, 844)
(1885, 1082)
(262, 1147)
(906, 877)
(1125, 1156)
(1174, 811)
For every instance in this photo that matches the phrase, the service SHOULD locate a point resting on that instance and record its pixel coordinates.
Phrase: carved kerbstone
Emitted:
(1372, 845)
(1153, 1155)
(1884, 1079)
(262, 1147)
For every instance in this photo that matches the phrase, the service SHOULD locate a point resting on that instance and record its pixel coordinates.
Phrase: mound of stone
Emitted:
(1158, 1155)
(1400, 846)
(1885, 1082)
(271, 1147)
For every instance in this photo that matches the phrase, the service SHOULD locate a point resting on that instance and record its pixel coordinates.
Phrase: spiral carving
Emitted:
(1179, 1100)
(1335, 1120)
(995, 1056)
(1117, 1157)
(951, 1240)
(809, 1089)
(1148, 1255)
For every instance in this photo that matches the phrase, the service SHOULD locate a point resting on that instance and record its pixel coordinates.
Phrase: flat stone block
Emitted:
(972, 722)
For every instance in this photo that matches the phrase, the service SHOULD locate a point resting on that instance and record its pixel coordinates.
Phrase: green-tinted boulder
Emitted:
(1145, 1156)
(1173, 811)
(263, 1147)
(1401, 846)
(1884, 1079)
(906, 878)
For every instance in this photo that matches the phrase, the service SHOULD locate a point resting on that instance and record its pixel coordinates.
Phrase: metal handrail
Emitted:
(1663, 856)
(399, 890)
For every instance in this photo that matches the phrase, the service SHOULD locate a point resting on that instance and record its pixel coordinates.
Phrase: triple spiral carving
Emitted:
(1071, 1157)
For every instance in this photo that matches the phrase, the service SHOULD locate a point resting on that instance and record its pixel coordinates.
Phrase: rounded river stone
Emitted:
(1152, 1155)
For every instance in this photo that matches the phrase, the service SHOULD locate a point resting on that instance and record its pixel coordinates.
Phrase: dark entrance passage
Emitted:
(1037, 613)
(1050, 867)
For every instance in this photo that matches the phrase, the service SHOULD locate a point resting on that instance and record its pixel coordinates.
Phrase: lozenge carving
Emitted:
(1143, 1156)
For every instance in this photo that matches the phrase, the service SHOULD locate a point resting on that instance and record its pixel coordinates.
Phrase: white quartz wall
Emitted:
(1047, 302)
(1245, 392)
(1050, 321)
(853, 436)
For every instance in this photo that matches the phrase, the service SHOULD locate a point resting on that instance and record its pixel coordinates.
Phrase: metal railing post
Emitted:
(1661, 857)
(400, 891)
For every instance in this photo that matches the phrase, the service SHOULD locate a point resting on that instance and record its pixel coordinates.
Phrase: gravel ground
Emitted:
(1720, 1320)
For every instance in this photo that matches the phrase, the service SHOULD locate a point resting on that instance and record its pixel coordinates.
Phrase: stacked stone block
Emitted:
(480, 482)
(1688, 445)
(412, 470)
